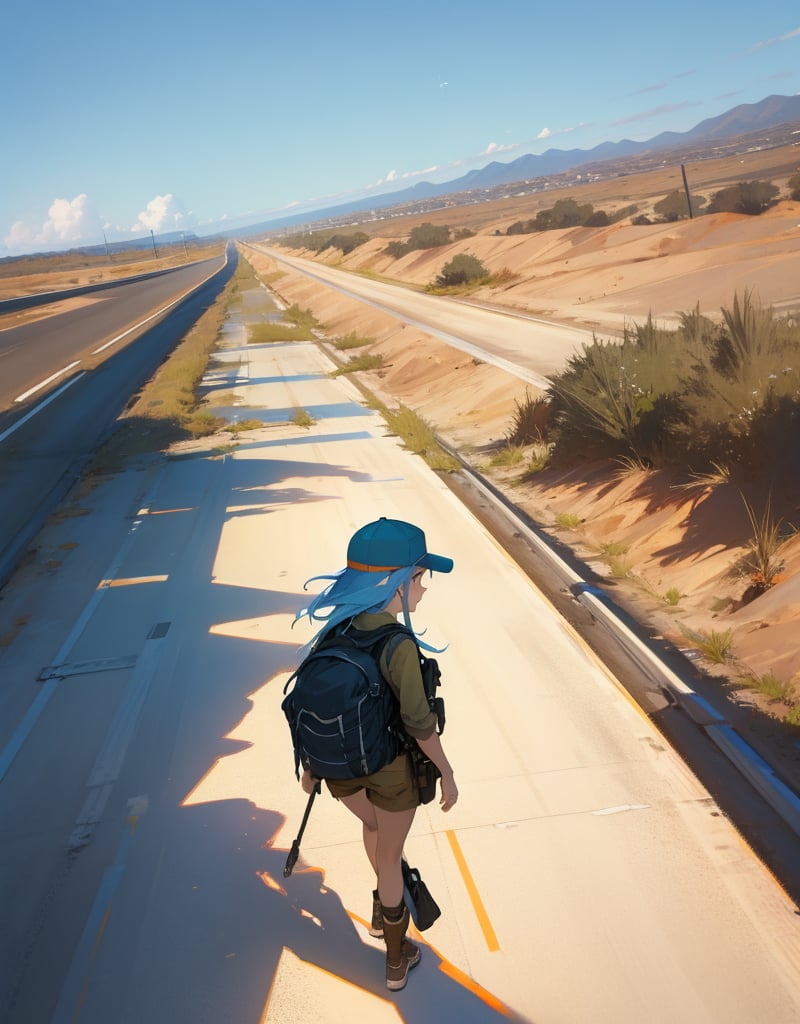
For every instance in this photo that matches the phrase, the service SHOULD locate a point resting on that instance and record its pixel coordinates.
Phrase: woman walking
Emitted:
(387, 561)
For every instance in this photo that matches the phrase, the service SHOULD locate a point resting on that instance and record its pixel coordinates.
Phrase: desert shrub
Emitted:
(461, 233)
(762, 562)
(675, 207)
(424, 236)
(565, 213)
(262, 334)
(502, 277)
(303, 318)
(508, 455)
(688, 399)
(794, 185)
(241, 426)
(623, 212)
(352, 340)
(641, 220)
(367, 361)
(463, 268)
(530, 421)
(302, 418)
(203, 423)
(617, 399)
(418, 436)
(717, 646)
(750, 197)
(428, 236)
(537, 460)
(770, 686)
(397, 249)
(598, 219)
(697, 329)
(347, 243)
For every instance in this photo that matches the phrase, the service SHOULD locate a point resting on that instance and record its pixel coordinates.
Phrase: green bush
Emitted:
(262, 334)
(530, 422)
(689, 399)
(397, 249)
(302, 418)
(418, 436)
(367, 361)
(423, 236)
(509, 455)
(301, 317)
(565, 213)
(598, 219)
(352, 340)
(675, 207)
(463, 268)
(750, 197)
(428, 236)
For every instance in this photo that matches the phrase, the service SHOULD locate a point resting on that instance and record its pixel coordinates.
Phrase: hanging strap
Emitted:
(294, 853)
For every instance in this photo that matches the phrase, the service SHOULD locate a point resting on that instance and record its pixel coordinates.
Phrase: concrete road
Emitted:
(527, 346)
(148, 800)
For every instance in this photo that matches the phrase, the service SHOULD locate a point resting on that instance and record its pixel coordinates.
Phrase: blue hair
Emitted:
(351, 592)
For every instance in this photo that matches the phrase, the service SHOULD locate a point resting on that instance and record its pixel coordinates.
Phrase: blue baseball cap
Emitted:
(390, 544)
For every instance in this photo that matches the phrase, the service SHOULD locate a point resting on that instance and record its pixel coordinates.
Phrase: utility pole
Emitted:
(686, 190)
(155, 251)
(108, 253)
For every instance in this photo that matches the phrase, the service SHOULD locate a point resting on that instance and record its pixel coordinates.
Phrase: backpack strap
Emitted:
(429, 667)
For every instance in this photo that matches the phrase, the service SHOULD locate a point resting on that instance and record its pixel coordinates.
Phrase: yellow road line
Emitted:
(475, 897)
(165, 511)
(131, 581)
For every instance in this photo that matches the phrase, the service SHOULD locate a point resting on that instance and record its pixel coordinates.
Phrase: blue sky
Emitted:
(122, 117)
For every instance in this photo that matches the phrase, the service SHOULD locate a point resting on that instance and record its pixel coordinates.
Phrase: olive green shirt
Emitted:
(403, 674)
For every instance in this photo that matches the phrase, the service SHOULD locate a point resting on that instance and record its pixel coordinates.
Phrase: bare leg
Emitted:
(393, 828)
(363, 809)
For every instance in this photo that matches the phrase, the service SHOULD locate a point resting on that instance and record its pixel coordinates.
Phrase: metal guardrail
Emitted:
(783, 800)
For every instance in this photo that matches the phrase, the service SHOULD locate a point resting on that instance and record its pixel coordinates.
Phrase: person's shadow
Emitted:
(206, 913)
(226, 914)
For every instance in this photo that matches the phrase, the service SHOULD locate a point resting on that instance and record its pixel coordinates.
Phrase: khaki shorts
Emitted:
(392, 788)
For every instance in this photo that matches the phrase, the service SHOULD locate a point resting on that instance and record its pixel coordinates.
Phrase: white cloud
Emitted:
(162, 213)
(68, 221)
(20, 237)
(774, 42)
(494, 147)
(387, 180)
(425, 170)
(545, 133)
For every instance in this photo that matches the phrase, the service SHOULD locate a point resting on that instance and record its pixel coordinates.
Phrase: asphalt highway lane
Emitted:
(43, 451)
(584, 875)
(78, 327)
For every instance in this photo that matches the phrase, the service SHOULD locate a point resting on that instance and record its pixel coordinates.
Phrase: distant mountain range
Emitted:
(741, 120)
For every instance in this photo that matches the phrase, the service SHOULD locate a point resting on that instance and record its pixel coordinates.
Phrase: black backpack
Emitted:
(343, 715)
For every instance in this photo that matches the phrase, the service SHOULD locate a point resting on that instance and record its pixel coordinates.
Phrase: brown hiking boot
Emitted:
(376, 927)
(397, 976)
(401, 955)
